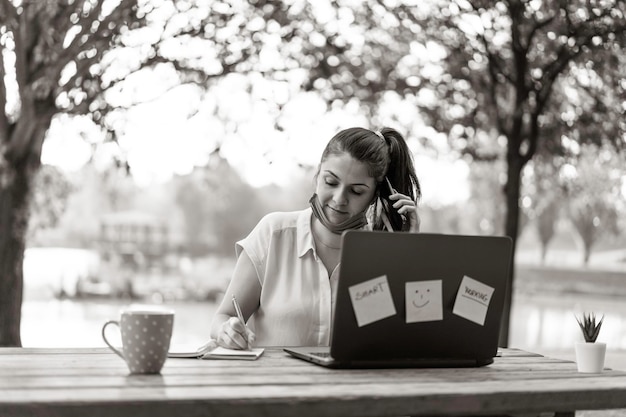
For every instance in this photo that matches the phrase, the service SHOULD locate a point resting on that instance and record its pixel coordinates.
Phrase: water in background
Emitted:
(538, 322)
(72, 323)
(542, 319)
(547, 322)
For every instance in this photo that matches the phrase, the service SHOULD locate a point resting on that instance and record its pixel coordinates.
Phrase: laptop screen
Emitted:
(419, 295)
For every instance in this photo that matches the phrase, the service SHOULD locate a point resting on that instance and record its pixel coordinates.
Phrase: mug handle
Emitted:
(120, 354)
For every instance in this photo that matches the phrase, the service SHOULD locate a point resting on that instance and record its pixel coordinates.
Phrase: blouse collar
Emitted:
(304, 234)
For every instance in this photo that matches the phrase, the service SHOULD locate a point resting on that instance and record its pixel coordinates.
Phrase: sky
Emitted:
(172, 135)
(178, 127)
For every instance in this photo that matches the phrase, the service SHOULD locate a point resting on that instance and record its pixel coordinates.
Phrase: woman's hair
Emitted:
(387, 155)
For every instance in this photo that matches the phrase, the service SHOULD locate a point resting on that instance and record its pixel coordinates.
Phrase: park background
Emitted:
(169, 142)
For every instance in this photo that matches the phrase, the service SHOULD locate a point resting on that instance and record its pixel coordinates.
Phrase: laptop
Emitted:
(416, 300)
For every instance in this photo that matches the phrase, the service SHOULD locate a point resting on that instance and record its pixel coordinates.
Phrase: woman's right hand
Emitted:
(233, 334)
(407, 208)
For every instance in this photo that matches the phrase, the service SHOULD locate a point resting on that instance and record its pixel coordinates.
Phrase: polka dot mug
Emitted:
(146, 336)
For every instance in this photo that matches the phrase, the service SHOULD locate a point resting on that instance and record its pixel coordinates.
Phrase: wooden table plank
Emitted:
(220, 376)
(301, 400)
(95, 382)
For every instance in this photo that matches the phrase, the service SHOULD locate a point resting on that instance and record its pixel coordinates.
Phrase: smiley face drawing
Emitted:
(423, 301)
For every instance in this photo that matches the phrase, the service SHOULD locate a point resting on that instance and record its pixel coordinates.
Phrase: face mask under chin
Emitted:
(355, 222)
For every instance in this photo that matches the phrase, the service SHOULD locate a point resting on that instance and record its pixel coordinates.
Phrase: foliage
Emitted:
(543, 198)
(589, 326)
(486, 205)
(520, 73)
(484, 73)
(218, 208)
(594, 189)
(206, 211)
(501, 80)
(547, 217)
(51, 193)
(52, 60)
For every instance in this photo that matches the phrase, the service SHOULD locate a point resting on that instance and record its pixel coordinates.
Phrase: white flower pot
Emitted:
(590, 356)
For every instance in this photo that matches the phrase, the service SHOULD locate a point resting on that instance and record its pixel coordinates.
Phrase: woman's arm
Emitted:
(226, 328)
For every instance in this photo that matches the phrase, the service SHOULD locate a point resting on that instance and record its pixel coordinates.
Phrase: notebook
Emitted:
(213, 352)
(416, 300)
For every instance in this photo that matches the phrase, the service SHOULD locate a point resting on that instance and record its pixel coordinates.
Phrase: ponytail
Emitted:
(401, 174)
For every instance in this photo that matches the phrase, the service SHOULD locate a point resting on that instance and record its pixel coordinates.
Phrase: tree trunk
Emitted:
(586, 254)
(512, 194)
(14, 196)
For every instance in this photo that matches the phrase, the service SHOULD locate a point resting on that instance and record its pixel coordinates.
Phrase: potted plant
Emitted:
(590, 354)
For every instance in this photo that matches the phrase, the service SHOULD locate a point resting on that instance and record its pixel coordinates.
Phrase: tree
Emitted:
(216, 208)
(483, 73)
(595, 195)
(592, 218)
(544, 198)
(486, 73)
(81, 200)
(486, 205)
(76, 57)
(504, 61)
(192, 200)
(48, 53)
(50, 197)
(546, 217)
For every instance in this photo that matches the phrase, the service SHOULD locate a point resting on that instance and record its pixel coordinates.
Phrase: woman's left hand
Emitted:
(408, 209)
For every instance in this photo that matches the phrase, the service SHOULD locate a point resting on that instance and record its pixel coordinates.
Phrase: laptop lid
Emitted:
(419, 295)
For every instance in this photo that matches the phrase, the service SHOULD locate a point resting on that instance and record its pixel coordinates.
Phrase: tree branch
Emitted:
(19, 35)
(63, 20)
(69, 53)
(563, 6)
(539, 25)
(4, 121)
(7, 9)
(542, 95)
(86, 27)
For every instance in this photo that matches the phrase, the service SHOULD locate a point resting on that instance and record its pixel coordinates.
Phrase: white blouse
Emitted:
(297, 295)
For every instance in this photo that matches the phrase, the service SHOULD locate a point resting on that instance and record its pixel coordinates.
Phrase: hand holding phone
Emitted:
(405, 206)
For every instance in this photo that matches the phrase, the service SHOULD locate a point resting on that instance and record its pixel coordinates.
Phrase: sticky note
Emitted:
(472, 300)
(371, 300)
(423, 301)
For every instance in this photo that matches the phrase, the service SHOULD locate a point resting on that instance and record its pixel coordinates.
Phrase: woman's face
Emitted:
(344, 187)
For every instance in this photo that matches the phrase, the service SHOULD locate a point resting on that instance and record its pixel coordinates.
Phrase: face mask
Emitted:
(355, 222)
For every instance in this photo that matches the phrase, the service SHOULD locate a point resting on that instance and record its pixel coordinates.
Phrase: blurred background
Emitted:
(172, 127)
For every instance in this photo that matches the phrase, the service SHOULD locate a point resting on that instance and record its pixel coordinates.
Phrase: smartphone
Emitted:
(391, 189)
(394, 191)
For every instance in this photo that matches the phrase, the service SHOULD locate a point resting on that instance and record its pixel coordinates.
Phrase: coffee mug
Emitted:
(146, 336)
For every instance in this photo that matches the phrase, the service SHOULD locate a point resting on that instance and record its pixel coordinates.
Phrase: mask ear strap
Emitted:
(386, 222)
(383, 205)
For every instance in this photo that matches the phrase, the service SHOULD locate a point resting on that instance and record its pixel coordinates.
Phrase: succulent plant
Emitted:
(590, 326)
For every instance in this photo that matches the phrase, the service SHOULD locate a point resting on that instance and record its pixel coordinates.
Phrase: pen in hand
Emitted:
(240, 317)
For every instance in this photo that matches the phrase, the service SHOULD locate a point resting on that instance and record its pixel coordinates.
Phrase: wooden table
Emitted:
(94, 382)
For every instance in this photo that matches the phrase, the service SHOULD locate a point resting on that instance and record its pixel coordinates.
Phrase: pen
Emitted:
(240, 316)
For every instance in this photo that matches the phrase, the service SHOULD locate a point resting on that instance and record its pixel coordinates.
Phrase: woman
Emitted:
(287, 267)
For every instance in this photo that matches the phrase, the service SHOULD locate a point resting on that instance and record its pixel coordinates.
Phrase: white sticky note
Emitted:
(371, 300)
(472, 300)
(424, 301)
